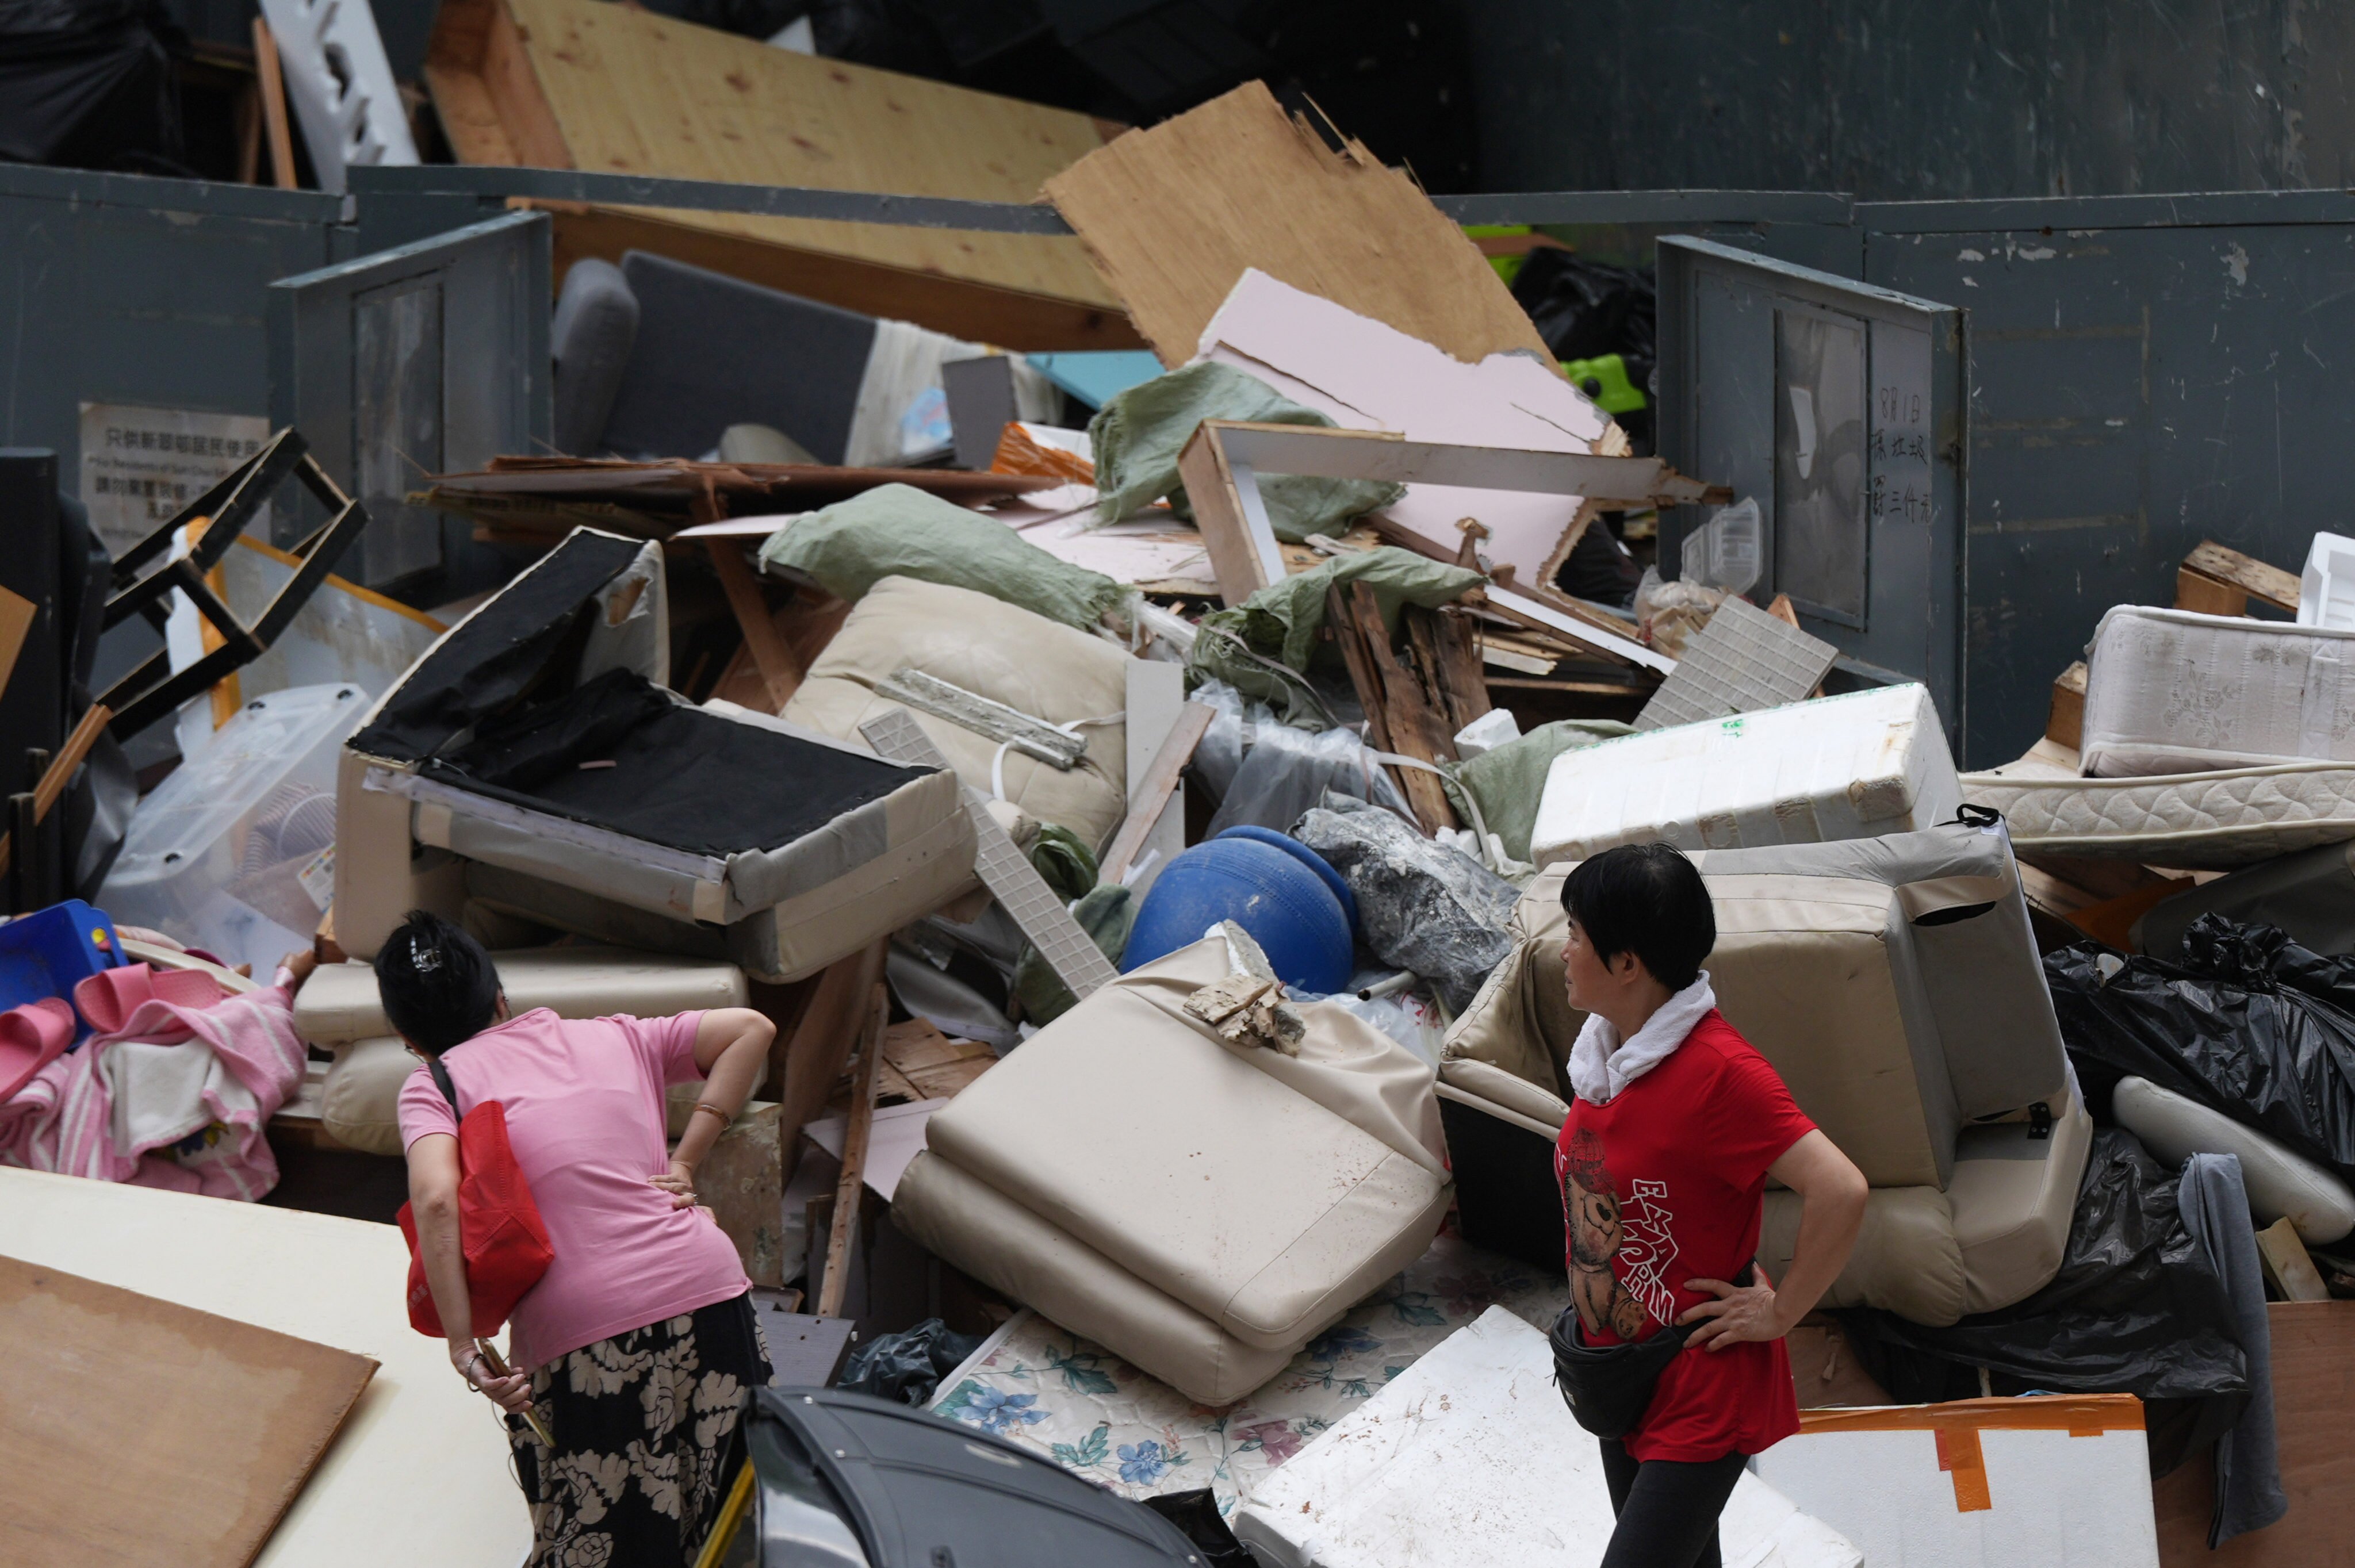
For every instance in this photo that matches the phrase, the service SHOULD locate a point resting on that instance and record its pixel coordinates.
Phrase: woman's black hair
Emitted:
(1645, 899)
(437, 987)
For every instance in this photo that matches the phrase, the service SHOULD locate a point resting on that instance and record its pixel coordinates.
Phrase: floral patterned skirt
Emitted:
(648, 1429)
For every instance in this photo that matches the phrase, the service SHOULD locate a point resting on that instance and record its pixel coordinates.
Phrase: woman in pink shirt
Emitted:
(638, 1347)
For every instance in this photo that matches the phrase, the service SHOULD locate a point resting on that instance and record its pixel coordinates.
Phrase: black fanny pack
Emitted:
(1609, 1387)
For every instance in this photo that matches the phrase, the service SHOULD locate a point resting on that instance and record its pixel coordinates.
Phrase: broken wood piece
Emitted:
(2064, 721)
(822, 1043)
(2218, 580)
(1215, 1003)
(1148, 795)
(1474, 531)
(935, 1066)
(51, 786)
(270, 84)
(1576, 628)
(1341, 622)
(1447, 653)
(780, 670)
(1033, 736)
(847, 1190)
(1782, 610)
(2288, 1267)
(1416, 729)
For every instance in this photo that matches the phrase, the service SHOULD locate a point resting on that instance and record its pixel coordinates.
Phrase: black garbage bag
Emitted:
(909, 1365)
(1196, 1513)
(2249, 1024)
(1584, 309)
(2136, 1308)
(89, 84)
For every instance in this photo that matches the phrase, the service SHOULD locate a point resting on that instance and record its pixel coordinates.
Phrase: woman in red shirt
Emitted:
(1676, 1127)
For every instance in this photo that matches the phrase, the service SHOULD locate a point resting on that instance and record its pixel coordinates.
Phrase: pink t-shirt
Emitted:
(584, 1109)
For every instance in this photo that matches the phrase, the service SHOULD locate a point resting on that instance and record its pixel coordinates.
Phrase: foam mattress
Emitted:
(2172, 691)
(2212, 821)
(1837, 767)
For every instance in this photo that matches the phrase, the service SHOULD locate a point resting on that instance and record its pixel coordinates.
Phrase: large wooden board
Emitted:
(137, 1431)
(2314, 1420)
(616, 89)
(1173, 214)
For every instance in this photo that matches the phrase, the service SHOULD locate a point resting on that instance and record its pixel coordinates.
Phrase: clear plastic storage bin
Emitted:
(235, 852)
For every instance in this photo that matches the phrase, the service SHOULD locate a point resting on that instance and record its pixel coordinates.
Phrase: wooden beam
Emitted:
(781, 672)
(273, 105)
(2064, 720)
(1416, 727)
(822, 1043)
(2218, 580)
(852, 1185)
(1151, 793)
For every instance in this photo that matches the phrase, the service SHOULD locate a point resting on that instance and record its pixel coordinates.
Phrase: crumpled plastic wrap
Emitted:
(1420, 906)
(1265, 773)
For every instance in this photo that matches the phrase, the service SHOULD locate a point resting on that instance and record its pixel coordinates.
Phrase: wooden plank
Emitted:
(2287, 1268)
(1146, 799)
(854, 1156)
(821, 1045)
(1416, 729)
(60, 771)
(1173, 215)
(2194, 590)
(143, 1431)
(2245, 574)
(780, 670)
(1157, 697)
(629, 91)
(272, 87)
(2314, 1420)
(961, 307)
(935, 1066)
(1341, 622)
(1238, 558)
(2064, 720)
(1447, 649)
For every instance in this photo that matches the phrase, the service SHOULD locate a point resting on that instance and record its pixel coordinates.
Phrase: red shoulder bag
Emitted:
(499, 1228)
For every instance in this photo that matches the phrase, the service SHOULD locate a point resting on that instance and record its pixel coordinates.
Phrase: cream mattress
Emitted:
(2172, 691)
(2206, 821)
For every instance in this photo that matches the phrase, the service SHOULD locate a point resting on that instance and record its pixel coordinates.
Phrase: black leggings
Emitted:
(1667, 1508)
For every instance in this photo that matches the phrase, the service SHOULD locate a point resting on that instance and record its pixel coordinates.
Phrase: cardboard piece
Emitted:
(1173, 215)
(575, 84)
(333, 1281)
(896, 1138)
(2061, 1479)
(1364, 374)
(143, 1431)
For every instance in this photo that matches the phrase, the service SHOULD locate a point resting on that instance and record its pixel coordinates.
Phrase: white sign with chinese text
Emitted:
(140, 466)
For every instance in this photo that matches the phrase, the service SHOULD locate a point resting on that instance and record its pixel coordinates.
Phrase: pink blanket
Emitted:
(175, 1098)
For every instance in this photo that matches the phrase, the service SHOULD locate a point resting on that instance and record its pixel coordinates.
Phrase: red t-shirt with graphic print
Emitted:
(1667, 1184)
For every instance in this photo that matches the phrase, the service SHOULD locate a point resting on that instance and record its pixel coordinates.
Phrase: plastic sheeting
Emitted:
(2137, 1308)
(897, 530)
(909, 1365)
(1420, 906)
(2249, 1024)
(1136, 438)
(1265, 774)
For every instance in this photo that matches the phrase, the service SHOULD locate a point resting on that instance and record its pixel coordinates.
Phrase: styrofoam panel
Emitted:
(2053, 1498)
(2172, 691)
(342, 85)
(1470, 1459)
(1837, 767)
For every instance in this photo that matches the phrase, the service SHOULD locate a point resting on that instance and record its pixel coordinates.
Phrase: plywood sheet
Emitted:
(417, 1432)
(616, 89)
(1173, 214)
(139, 1431)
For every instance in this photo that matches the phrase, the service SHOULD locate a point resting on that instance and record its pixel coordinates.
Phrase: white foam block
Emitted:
(2038, 1495)
(2281, 1182)
(1837, 767)
(2172, 691)
(1469, 1459)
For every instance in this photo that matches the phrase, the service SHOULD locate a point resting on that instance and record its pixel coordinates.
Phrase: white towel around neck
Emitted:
(1601, 1067)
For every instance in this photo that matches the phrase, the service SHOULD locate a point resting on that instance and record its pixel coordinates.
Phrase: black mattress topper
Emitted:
(529, 639)
(679, 777)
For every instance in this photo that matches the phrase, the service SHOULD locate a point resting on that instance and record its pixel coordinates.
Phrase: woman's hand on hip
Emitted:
(1740, 1313)
(680, 1182)
(511, 1394)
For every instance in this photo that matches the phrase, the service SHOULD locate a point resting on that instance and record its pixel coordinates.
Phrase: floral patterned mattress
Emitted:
(1079, 1405)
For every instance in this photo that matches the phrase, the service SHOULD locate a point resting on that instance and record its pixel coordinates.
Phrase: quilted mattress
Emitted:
(2202, 821)
(1853, 766)
(2172, 691)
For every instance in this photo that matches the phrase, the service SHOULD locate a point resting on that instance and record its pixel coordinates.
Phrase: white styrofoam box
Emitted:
(1953, 1486)
(2326, 591)
(1470, 1459)
(2173, 692)
(235, 852)
(342, 85)
(1854, 766)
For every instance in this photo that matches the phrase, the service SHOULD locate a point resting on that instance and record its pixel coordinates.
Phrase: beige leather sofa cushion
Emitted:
(1906, 1259)
(359, 1096)
(1126, 1124)
(1811, 971)
(339, 1003)
(1015, 1251)
(2014, 1195)
(994, 650)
